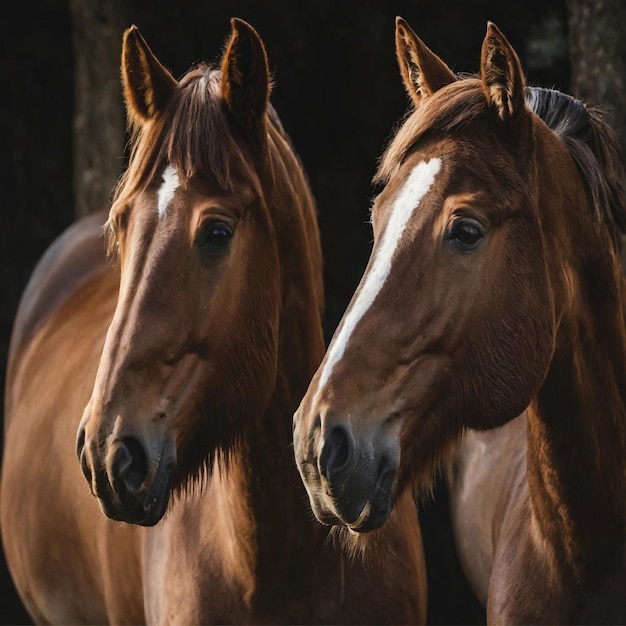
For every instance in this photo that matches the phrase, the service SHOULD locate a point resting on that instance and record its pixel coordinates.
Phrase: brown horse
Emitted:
(493, 305)
(190, 354)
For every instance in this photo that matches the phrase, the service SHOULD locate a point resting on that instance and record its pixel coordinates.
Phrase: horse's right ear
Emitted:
(146, 83)
(246, 79)
(423, 72)
(502, 77)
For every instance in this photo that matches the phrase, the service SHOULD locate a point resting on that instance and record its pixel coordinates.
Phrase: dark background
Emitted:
(339, 95)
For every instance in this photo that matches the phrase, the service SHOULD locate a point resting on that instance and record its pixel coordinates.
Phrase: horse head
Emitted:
(454, 322)
(191, 355)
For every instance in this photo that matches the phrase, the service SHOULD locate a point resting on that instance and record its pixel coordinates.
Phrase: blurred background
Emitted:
(339, 95)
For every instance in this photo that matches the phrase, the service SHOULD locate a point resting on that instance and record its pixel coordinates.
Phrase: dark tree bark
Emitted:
(98, 138)
(598, 56)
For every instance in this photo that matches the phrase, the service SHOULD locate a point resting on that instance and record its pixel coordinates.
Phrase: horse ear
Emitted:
(501, 74)
(423, 72)
(245, 79)
(146, 83)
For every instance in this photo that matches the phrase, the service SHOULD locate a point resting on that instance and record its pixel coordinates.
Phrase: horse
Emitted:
(167, 344)
(486, 341)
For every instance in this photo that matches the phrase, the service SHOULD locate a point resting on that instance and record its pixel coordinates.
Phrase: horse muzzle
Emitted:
(349, 479)
(129, 475)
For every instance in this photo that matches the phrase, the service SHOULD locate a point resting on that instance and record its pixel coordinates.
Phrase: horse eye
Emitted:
(214, 237)
(465, 234)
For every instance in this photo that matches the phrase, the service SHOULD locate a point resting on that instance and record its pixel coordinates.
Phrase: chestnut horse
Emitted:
(492, 306)
(190, 354)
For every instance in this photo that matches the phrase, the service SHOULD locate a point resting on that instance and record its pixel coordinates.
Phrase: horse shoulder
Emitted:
(523, 588)
(486, 472)
(528, 587)
(69, 262)
(524, 584)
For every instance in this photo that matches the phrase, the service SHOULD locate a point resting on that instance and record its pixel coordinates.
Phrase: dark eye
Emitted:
(214, 237)
(465, 234)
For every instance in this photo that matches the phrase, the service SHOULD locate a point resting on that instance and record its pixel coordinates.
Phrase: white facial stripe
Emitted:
(167, 190)
(414, 189)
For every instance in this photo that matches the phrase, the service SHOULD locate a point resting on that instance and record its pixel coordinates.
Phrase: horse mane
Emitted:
(587, 138)
(593, 145)
(194, 135)
(446, 110)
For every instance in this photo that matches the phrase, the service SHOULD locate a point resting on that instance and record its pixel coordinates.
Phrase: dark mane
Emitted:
(593, 146)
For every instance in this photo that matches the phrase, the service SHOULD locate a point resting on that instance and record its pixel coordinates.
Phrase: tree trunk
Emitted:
(598, 55)
(98, 137)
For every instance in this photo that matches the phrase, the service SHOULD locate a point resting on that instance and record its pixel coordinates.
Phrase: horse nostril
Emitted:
(82, 457)
(80, 442)
(336, 452)
(133, 468)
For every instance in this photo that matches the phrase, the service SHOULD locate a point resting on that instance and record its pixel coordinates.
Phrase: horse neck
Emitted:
(272, 488)
(577, 423)
(301, 340)
(261, 480)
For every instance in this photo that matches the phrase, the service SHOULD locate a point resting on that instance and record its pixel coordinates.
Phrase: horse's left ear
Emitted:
(423, 72)
(147, 84)
(501, 74)
(245, 79)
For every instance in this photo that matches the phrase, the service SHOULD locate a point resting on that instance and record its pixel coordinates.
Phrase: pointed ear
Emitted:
(245, 79)
(146, 83)
(501, 74)
(423, 72)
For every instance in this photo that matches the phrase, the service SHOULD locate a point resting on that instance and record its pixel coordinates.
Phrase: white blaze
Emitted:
(414, 189)
(167, 190)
